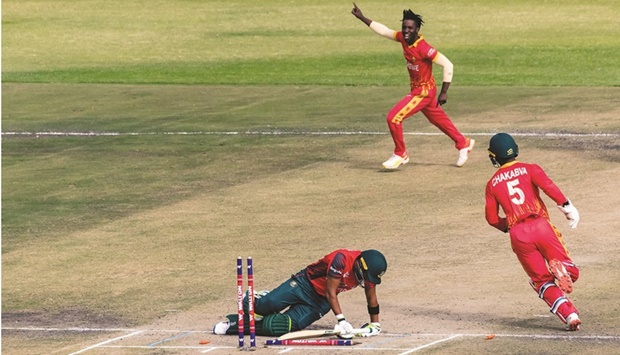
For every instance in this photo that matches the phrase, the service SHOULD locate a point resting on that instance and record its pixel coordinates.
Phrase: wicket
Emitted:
(319, 342)
(240, 321)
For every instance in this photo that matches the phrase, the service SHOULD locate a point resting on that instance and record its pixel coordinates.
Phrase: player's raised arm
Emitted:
(358, 13)
(378, 28)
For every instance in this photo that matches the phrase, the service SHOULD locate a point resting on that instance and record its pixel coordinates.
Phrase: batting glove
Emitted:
(374, 327)
(345, 328)
(571, 213)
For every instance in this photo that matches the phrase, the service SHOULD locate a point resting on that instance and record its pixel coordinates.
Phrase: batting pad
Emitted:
(272, 325)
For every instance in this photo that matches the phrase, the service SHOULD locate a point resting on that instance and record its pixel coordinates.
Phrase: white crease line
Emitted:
(181, 335)
(71, 329)
(430, 344)
(204, 349)
(162, 347)
(105, 330)
(295, 133)
(107, 341)
(541, 336)
(386, 334)
(288, 349)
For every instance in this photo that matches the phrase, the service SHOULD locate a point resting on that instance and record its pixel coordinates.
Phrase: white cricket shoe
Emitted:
(221, 328)
(395, 161)
(573, 322)
(464, 153)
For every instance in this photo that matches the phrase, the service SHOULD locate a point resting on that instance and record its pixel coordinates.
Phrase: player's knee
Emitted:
(277, 324)
(572, 270)
(395, 119)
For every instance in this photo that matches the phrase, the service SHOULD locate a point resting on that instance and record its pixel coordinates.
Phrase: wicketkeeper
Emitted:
(313, 292)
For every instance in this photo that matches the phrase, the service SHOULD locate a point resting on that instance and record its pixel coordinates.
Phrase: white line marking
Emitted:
(207, 349)
(71, 329)
(181, 335)
(137, 331)
(388, 338)
(107, 341)
(430, 344)
(106, 330)
(163, 347)
(542, 336)
(204, 350)
(292, 133)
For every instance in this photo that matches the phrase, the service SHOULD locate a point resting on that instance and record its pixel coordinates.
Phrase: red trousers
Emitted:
(421, 99)
(535, 242)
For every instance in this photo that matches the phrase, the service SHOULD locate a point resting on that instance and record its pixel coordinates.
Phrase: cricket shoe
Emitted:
(557, 269)
(395, 161)
(464, 153)
(221, 328)
(572, 322)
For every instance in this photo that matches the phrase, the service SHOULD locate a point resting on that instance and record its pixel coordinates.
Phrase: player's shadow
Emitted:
(413, 166)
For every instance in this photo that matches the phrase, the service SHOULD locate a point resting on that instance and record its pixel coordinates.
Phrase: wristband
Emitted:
(373, 310)
(340, 317)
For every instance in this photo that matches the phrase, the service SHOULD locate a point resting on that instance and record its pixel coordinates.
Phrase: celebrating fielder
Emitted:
(420, 57)
(536, 242)
(313, 292)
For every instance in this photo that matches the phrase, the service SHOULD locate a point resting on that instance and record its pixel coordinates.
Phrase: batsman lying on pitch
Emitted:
(312, 292)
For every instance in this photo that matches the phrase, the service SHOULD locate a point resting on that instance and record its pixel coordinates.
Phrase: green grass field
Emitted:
(117, 228)
(524, 43)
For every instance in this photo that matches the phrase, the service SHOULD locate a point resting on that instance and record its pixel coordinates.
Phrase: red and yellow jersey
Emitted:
(419, 56)
(516, 188)
(339, 265)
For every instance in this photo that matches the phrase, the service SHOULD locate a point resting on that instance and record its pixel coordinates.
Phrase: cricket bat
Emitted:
(305, 334)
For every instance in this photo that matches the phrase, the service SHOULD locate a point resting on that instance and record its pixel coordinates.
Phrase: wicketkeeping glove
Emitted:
(571, 213)
(375, 329)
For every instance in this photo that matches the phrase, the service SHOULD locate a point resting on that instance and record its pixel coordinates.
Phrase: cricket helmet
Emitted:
(373, 265)
(502, 148)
